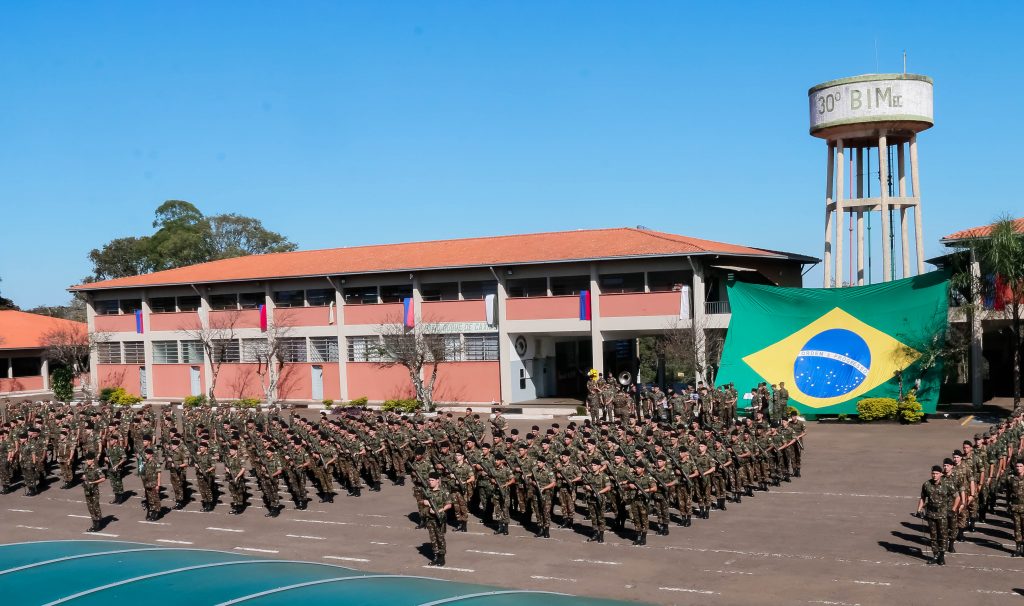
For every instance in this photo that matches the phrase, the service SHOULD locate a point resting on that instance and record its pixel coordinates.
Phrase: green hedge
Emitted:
(403, 405)
(875, 409)
(63, 384)
(247, 403)
(119, 397)
(193, 401)
(910, 410)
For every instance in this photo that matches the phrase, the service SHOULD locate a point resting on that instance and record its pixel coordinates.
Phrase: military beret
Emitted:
(947, 461)
(149, 451)
(420, 450)
(23, 434)
(499, 457)
(434, 476)
(662, 457)
(958, 453)
(936, 468)
(542, 459)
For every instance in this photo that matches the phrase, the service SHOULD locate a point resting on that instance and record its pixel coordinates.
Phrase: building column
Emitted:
(204, 323)
(44, 370)
(94, 355)
(977, 335)
(915, 183)
(840, 193)
(883, 191)
(504, 342)
(596, 338)
(268, 303)
(901, 171)
(827, 282)
(339, 324)
(698, 316)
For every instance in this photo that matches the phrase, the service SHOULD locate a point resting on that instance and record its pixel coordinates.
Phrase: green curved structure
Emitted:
(84, 573)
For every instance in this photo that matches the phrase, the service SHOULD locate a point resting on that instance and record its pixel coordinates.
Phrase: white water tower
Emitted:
(871, 123)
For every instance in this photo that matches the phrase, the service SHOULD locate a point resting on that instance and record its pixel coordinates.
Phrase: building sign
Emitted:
(899, 98)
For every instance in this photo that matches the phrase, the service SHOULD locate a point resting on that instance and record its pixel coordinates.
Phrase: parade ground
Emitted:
(842, 534)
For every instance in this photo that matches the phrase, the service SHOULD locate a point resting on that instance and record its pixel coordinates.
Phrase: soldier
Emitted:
(269, 471)
(502, 479)
(688, 473)
(64, 453)
(116, 461)
(297, 461)
(27, 462)
(544, 482)
(234, 475)
(937, 498)
(436, 501)
(149, 470)
(7, 453)
(593, 396)
(463, 480)
(598, 486)
(177, 463)
(206, 470)
(665, 477)
(1015, 506)
(723, 465)
(569, 477)
(498, 426)
(639, 488)
(705, 465)
(92, 477)
(419, 469)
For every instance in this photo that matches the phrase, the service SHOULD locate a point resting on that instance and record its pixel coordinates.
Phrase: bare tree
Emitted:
(927, 348)
(70, 346)
(271, 355)
(219, 342)
(682, 345)
(419, 350)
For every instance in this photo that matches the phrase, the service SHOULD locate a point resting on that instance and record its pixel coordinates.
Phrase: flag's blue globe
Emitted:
(832, 363)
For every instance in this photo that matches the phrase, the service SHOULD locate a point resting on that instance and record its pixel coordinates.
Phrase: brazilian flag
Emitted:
(833, 347)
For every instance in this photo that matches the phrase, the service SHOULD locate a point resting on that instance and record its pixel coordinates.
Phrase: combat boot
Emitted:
(546, 533)
(934, 560)
(401, 481)
(796, 472)
(600, 536)
(688, 521)
(179, 505)
(95, 526)
(750, 490)
(636, 538)
(439, 561)
(951, 548)
(970, 525)
(357, 491)
(1016, 551)
(721, 504)
(942, 558)
(643, 538)
(960, 535)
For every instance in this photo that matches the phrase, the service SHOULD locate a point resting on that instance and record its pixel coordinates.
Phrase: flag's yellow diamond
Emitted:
(832, 360)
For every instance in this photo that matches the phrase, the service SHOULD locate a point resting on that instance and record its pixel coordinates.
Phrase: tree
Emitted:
(218, 340)
(271, 357)
(74, 310)
(419, 350)
(683, 346)
(70, 347)
(7, 304)
(184, 236)
(1001, 257)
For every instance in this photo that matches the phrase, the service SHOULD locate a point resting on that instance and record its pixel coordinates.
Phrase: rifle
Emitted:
(598, 497)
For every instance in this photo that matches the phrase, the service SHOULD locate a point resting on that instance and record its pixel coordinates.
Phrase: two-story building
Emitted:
(530, 314)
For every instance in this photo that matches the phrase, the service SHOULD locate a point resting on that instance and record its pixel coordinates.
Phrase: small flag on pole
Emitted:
(263, 318)
(330, 314)
(138, 321)
(408, 313)
(584, 305)
(490, 311)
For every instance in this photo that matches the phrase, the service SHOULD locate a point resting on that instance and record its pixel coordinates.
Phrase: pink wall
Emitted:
(542, 308)
(122, 323)
(379, 313)
(236, 381)
(174, 380)
(21, 384)
(295, 382)
(454, 311)
(226, 318)
(640, 304)
(119, 375)
(468, 382)
(302, 316)
(366, 379)
(186, 320)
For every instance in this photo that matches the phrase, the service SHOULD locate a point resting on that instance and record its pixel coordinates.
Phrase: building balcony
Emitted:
(185, 320)
(717, 307)
(641, 304)
(115, 323)
(373, 313)
(454, 311)
(543, 308)
(303, 316)
(234, 318)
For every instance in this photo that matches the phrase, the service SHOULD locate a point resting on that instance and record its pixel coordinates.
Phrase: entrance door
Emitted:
(142, 382)
(195, 386)
(318, 382)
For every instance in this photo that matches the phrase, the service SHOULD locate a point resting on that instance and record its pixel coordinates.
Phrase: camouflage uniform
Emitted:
(116, 460)
(938, 499)
(233, 465)
(205, 477)
(542, 477)
(1015, 498)
(436, 525)
(596, 481)
(92, 492)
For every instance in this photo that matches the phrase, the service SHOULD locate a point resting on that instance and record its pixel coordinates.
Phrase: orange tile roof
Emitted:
(981, 231)
(467, 252)
(21, 330)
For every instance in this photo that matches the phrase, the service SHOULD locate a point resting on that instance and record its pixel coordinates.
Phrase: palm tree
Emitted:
(1001, 255)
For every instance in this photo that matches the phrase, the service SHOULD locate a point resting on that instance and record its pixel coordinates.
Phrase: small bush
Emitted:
(247, 403)
(910, 410)
(581, 410)
(360, 401)
(843, 417)
(106, 391)
(119, 397)
(193, 401)
(327, 402)
(63, 384)
(874, 409)
(405, 405)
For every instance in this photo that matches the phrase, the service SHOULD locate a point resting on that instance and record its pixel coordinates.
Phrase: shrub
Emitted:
(247, 403)
(360, 401)
(581, 411)
(119, 397)
(106, 391)
(843, 417)
(63, 384)
(404, 405)
(327, 402)
(910, 410)
(193, 401)
(873, 409)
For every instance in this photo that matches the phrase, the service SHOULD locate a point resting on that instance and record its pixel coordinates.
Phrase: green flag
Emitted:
(833, 347)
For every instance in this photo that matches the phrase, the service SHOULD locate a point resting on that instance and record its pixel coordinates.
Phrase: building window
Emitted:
(479, 289)
(528, 287)
(365, 294)
(569, 285)
(481, 347)
(395, 293)
(251, 300)
(107, 308)
(440, 291)
(293, 349)
(288, 298)
(226, 350)
(162, 305)
(26, 367)
(189, 303)
(363, 349)
(134, 352)
(165, 352)
(130, 306)
(622, 283)
(254, 350)
(109, 353)
(191, 352)
(319, 297)
(323, 349)
(666, 281)
(224, 301)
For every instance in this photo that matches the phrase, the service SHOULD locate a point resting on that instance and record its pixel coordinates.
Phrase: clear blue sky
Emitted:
(366, 122)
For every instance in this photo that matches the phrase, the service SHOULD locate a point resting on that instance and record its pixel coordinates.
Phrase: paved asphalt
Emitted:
(840, 535)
